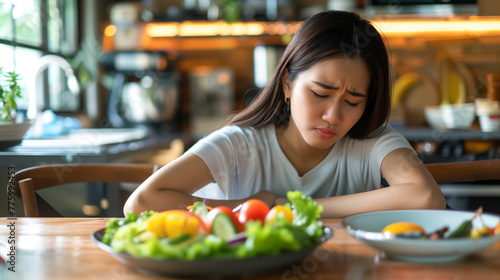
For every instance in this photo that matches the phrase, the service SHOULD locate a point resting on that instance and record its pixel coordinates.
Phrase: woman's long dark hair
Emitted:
(326, 34)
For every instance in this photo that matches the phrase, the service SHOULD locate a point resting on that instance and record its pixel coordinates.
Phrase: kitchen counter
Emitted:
(444, 145)
(98, 146)
(85, 148)
(423, 133)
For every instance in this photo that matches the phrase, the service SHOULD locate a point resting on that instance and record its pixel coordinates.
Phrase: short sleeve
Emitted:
(387, 142)
(226, 152)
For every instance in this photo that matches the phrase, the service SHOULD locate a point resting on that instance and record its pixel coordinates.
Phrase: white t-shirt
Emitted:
(245, 160)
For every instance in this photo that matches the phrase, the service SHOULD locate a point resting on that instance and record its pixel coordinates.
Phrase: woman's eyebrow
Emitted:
(325, 86)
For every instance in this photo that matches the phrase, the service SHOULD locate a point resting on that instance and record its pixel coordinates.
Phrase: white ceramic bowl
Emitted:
(458, 116)
(434, 117)
(367, 228)
(12, 134)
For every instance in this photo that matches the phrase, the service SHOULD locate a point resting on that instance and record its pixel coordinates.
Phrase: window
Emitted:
(30, 29)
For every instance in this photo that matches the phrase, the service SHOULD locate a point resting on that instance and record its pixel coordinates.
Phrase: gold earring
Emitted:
(287, 101)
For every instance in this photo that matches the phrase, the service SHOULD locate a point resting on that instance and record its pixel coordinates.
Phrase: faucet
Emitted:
(36, 98)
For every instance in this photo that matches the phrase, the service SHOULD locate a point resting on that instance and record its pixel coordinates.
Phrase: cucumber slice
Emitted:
(179, 239)
(223, 226)
(200, 209)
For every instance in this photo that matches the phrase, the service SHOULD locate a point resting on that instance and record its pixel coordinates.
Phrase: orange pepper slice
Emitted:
(173, 223)
(156, 223)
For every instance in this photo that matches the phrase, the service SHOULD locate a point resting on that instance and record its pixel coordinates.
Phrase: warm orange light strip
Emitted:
(163, 30)
(217, 28)
(470, 26)
(451, 26)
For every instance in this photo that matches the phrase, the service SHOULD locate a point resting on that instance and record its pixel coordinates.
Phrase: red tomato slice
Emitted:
(226, 210)
(253, 210)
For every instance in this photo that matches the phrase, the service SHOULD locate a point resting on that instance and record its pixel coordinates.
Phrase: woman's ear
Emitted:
(285, 84)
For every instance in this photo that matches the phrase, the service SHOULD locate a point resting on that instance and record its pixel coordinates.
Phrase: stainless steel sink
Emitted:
(89, 138)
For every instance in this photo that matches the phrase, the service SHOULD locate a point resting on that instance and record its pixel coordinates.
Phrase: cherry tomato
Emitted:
(253, 209)
(174, 223)
(225, 210)
(279, 210)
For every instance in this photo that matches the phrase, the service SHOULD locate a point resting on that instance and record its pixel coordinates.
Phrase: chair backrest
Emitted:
(479, 170)
(30, 180)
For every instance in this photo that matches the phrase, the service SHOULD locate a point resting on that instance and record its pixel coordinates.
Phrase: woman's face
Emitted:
(328, 99)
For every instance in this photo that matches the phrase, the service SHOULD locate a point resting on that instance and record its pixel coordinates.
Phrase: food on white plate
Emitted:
(404, 229)
(463, 230)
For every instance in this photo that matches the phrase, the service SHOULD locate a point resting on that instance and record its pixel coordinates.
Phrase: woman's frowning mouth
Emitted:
(325, 133)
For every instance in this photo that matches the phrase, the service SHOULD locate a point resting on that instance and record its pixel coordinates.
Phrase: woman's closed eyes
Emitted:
(352, 104)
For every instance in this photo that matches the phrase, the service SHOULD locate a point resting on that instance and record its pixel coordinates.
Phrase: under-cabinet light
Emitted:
(396, 27)
(448, 26)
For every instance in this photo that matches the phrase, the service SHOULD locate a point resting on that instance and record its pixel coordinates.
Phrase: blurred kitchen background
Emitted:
(141, 81)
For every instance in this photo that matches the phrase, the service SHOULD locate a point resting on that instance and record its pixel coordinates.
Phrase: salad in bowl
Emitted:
(202, 239)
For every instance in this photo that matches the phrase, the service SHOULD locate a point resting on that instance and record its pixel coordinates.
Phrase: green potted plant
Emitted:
(11, 132)
(9, 92)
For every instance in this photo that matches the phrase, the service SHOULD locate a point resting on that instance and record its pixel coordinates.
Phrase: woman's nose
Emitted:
(332, 113)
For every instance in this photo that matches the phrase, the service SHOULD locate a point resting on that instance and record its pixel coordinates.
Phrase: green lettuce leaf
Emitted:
(306, 213)
(269, 239)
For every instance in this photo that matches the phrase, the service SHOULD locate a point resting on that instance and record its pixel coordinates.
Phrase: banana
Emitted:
(453, 88)
(444, 81)
(457, 87)
(402, 85)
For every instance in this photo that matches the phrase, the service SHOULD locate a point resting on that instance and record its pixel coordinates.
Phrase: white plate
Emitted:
(367, 228)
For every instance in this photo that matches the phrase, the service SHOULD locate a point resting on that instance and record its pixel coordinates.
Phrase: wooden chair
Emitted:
(30, 180)
(479, 170)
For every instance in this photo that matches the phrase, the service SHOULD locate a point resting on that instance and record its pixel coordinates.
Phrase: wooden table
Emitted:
(61, 248)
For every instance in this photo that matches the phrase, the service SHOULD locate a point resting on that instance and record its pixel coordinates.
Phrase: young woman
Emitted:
(319, 126)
